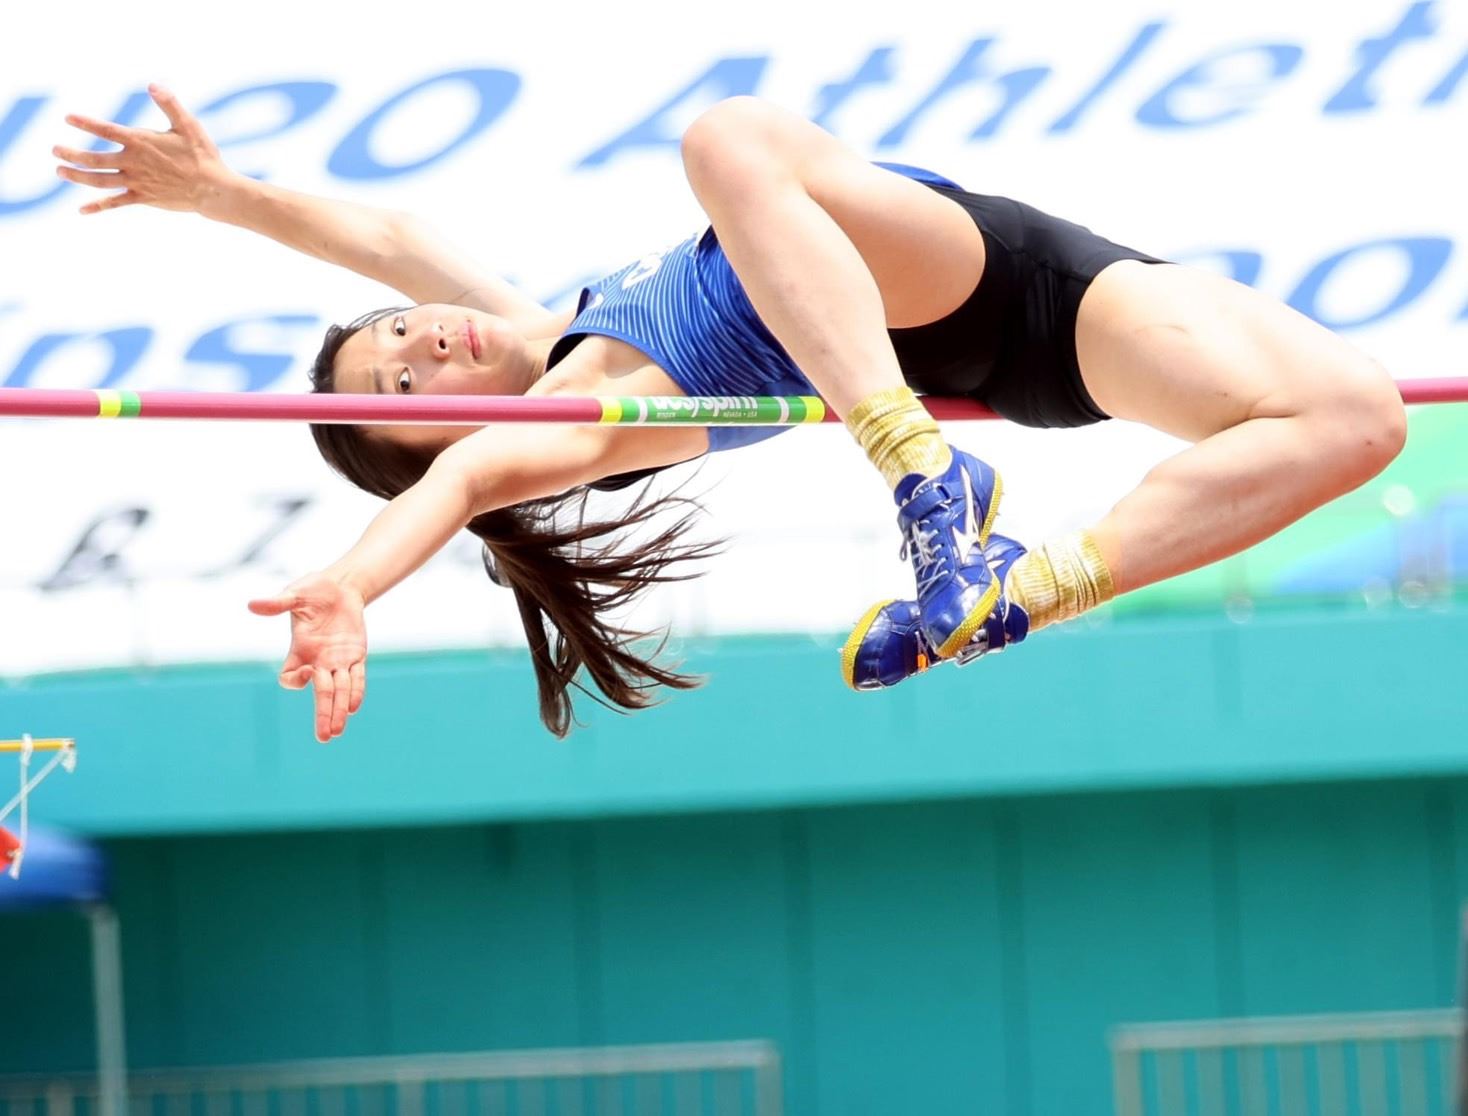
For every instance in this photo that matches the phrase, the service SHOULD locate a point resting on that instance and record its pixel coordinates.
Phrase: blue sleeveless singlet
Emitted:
(686, 309)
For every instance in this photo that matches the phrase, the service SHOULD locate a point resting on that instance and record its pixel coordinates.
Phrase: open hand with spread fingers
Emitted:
(179, 169)
(328, 647)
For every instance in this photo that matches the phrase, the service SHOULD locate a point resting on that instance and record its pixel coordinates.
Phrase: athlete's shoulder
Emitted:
(647, 279)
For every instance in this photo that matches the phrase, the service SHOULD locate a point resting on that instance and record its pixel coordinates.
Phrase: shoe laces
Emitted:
(924, 544)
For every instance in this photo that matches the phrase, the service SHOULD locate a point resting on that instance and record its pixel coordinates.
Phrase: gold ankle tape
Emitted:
(899, 436)
(1060, 580)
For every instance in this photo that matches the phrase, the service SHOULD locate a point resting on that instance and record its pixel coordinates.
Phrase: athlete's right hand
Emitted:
(328, 646)
(178, 169)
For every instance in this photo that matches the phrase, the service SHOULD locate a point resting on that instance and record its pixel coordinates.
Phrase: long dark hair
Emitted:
(566, 571)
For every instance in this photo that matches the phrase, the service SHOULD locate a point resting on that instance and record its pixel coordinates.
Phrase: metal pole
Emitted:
(769, 1085)
(1461, 1068)
(107, 1001)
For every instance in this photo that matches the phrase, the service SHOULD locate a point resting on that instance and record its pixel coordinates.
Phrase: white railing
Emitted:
(686, 1079)
(1384, 1064)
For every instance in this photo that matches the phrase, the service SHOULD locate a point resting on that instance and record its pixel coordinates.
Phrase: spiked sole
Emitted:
(960, 636)
(965, 631)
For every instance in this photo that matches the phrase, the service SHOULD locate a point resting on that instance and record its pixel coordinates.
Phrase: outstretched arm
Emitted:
(181, 169)
(491, 468)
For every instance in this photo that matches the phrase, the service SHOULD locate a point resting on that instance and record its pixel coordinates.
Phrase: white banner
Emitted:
(1311, 149)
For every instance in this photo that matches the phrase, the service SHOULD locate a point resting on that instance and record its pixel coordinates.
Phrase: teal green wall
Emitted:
(935, 899)
(1131, 703)
(943, 956)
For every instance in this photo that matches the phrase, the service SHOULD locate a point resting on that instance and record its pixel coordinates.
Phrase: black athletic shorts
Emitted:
(1012, 344)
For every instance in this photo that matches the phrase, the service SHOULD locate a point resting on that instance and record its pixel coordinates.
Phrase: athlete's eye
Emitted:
(405, 380)
(400, 326)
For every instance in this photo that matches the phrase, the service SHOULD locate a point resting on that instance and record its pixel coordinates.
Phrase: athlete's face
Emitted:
(434, 349)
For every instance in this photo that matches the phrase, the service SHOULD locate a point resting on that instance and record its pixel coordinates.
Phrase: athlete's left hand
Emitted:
(328, 646)
(179, 169)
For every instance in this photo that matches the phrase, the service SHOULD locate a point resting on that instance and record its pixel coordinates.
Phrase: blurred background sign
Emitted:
(1305, 150)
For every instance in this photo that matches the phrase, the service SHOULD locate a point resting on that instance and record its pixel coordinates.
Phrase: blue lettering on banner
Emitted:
(126, 345)
(1162, 110)
(494, 89)
(1449, 84)
(876, 69)
(1426, 256)
(303, 100)
(728, 77)
(21, 114)
(259, 371)
(1354, 95)
(1124, 62)
(1014, 87)
(1207, 82)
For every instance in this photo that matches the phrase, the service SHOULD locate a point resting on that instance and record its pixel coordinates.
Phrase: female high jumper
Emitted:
(820, 272)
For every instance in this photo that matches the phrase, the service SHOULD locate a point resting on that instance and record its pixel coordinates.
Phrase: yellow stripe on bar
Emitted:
(611, 409)
(48, 744)
(109, 403)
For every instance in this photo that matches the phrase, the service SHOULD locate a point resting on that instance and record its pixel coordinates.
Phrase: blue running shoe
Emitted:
(945, 522)
(888, 646)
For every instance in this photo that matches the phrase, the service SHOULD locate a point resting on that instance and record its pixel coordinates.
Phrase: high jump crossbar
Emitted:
(476, 410)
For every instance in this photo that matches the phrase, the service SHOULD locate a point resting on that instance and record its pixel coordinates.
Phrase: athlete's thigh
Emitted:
(1192, 353)
(923, 249)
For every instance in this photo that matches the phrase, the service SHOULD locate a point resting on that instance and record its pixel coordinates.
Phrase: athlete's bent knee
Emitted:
(1365, 421)
(728, 142)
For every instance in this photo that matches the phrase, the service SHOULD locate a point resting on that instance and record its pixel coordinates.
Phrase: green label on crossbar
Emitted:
(714, 410)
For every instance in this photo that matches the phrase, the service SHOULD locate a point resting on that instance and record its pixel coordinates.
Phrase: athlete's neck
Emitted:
(538, 351)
